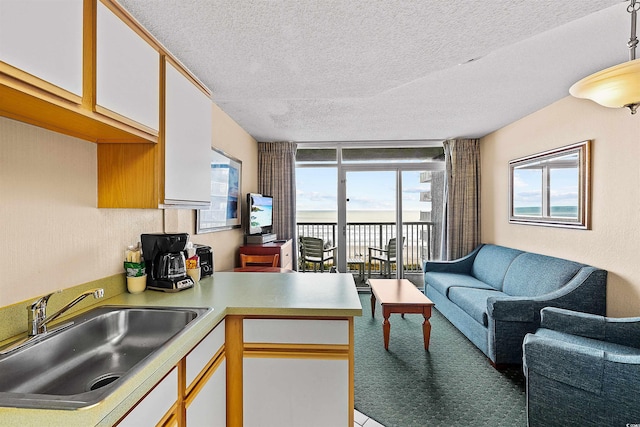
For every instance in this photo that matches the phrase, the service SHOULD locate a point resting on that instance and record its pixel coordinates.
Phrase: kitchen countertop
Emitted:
(228, 293)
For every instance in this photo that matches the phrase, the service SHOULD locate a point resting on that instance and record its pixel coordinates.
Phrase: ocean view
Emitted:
(373, 216)
(556, 211)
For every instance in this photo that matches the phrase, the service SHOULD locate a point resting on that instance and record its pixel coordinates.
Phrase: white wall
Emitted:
(613, 242)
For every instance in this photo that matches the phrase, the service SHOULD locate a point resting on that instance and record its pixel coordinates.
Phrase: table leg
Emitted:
(373, 305)
(386, 328)
(426, 330)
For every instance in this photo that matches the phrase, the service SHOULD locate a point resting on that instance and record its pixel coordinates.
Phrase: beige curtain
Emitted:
(461, 216)
(277, 178)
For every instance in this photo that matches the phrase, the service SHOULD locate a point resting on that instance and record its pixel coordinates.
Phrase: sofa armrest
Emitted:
(459, 266)
(585, 292)
(511, 309)
(623, 331)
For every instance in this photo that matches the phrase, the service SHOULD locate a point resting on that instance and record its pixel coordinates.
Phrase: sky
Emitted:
(527, 187)
(317, 190)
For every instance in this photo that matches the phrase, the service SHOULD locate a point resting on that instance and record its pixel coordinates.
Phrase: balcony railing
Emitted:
(419, 240)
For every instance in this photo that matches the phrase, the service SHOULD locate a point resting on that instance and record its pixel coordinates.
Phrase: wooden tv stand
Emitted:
(284, 248)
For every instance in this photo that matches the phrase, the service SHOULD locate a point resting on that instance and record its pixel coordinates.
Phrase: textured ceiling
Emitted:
(370, 70)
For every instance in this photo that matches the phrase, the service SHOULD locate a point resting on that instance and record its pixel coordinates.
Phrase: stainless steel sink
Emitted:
(82, 364)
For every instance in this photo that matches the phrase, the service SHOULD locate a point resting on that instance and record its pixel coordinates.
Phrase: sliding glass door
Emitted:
(371, 208)
(376, 205)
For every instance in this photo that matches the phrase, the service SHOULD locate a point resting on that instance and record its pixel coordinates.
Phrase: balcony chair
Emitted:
(386, 257)
(582, 369)
(266, 260)
(314, 251)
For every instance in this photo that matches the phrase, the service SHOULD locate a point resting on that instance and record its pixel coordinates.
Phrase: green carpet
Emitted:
(452, 384)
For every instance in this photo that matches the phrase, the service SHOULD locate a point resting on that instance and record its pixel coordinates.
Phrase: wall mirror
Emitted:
(552, 188)
(226, 185)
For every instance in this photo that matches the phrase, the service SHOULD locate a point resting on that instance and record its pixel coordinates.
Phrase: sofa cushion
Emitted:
(534, 274)
(491, 264)
(473, 301)
(441, 282)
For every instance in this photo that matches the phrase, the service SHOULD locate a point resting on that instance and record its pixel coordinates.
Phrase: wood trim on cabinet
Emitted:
(128, 176)
(234, 354)
(89, 55)
(113, 115)
(181, 409)
(159, 175)
(27, 103)
(36, 82)
(204, 376)
(297, 351)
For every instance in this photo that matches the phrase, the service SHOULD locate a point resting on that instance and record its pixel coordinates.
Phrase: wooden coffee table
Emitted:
(400, 296)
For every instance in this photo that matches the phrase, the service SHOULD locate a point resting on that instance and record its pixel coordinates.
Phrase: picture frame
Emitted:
(226, 188)
(552, 188)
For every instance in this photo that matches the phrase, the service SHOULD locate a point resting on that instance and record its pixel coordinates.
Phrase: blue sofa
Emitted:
(494, 295)
(583, 370)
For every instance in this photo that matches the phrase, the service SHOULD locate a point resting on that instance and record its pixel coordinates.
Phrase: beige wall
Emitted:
(53, 236)
(613, 242)
(229, 137)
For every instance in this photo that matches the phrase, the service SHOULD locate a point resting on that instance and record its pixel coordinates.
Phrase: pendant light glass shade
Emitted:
(614, 87)
(617, 86)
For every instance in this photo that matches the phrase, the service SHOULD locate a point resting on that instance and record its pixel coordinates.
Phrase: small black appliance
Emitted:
(206, 259)
(164, 255)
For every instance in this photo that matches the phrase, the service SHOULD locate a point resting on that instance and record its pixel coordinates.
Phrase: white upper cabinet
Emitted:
(188, 132)
(44, 39)
(127, 71)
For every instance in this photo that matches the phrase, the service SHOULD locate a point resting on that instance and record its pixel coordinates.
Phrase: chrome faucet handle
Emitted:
(37, 312)
(97, 294)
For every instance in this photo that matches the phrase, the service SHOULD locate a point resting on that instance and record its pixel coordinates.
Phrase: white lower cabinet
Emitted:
(273, 373)
(296, 372)
(295, 392)
(201, 355)
(209, 406)
(155, 405)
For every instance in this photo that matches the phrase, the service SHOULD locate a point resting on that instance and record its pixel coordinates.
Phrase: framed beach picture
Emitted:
(226, 187)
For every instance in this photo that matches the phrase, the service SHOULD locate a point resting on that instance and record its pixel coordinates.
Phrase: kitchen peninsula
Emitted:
(277, 349)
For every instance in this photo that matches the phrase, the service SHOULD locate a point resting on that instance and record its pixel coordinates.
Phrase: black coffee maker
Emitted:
(164, 255)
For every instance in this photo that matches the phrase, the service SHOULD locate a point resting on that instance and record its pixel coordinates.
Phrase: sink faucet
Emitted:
(38, 319)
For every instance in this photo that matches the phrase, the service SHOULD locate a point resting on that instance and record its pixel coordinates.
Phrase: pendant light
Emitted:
(617, 86)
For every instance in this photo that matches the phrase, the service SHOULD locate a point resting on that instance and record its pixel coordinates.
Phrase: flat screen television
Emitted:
(260, 209)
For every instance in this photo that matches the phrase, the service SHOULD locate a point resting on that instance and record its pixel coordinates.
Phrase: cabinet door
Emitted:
(44, 39)
(312, 390)
(296, 331)
(201, 355)
(187, 141)
(209, 407)
(128, 71)
(295, 392)
(155, 405)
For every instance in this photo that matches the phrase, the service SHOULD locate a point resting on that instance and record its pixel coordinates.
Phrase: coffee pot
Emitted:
(165, 261)
(172, 266)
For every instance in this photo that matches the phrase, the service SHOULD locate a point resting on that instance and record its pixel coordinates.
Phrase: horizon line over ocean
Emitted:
(373, 216)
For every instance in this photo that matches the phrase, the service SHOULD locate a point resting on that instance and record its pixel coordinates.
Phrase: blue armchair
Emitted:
(583, 369)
